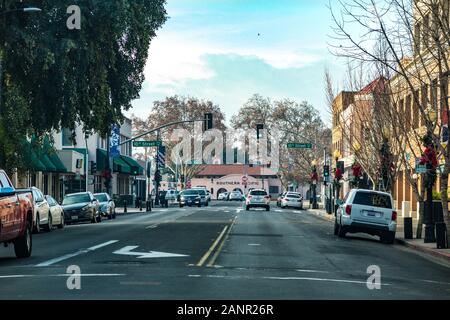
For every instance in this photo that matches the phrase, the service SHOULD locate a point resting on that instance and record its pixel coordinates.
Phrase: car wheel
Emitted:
(49, 226)
(268, 208)
(114, 213)
(98, 218)
(24, 244)
(200, 205)
(387, 237)
(247, 208)
(342, 231)
(61, 225)
(93, 219)
(336, 227)
(181, 206)
(37, 227)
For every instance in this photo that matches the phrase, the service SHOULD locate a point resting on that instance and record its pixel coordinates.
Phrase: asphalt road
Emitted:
(216, 252)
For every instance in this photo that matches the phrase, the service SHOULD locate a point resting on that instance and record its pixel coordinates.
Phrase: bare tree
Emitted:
(415, 36)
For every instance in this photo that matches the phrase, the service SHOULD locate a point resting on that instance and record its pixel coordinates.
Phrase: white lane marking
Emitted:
(320, 279)
(63, 275)
(153, 226)
(238, 210)
(278, 210)
(254, 244)
(311, 271)
(227, 210)
(151, 254)
(71, 255)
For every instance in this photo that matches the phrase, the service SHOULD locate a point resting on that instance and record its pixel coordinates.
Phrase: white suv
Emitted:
(367, 211)
(257, 198)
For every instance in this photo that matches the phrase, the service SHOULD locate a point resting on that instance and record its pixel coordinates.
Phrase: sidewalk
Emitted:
(416, 244)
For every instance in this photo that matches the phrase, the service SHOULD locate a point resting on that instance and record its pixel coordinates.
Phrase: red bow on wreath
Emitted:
(429, 156)
(338, 174)
(356, 170)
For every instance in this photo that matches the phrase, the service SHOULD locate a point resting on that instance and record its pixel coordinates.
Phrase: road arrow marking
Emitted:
(152, 254)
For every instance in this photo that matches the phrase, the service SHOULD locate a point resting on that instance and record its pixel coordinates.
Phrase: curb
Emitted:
(425, 250)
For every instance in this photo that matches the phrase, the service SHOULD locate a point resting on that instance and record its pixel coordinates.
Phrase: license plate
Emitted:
(373, 214)
(74, 217)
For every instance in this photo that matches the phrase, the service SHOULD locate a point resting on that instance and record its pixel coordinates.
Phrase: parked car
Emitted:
(235, 196)
(41, 209)
(81, 206)
(223, 196)
(16, 216)
(56, 212)
(205, 195)
(106, 204)
(257, 198)
(171, 195)
(369, 212)
(190, 197)
(293, 200)
(279, 198)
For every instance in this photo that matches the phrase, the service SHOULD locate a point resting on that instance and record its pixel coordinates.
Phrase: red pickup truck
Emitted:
(16, 218)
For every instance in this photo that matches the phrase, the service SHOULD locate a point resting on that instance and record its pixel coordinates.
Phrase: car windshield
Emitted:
(101, 197)
(258, 193)
(190, 193)
(76, 198)
(201, 191)
(373, 200)
(292, 195)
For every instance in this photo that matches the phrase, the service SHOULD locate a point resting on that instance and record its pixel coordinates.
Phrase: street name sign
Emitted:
(145, 144)
(298, 145)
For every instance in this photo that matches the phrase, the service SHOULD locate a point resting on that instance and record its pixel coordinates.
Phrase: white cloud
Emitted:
(175, 59)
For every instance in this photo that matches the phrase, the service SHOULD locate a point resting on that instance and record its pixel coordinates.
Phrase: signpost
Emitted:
(299, 145)
(145, 144)
(419, 167)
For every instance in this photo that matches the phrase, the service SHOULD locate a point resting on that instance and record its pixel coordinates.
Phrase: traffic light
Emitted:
(326, 171)
(134, 171)
(208, 123)
(259, 128)
(93, 167)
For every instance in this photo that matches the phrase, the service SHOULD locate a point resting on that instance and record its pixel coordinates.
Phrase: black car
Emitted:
(81, 206)
(190, 198)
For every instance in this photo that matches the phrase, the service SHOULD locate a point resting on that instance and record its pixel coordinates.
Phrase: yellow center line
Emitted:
(219, 249)
(211, 249)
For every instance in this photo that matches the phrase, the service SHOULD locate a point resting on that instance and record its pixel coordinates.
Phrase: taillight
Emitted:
(348, 209)
(394, 215)
(249, 197)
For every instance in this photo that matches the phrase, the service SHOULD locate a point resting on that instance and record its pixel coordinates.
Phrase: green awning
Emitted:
(136, 168)
(47, 163)
(101, 159)
(53, 156)
(59, 165)
(37, 165)
(119, 165)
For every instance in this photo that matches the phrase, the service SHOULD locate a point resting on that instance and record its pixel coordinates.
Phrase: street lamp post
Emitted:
(314, 179)
(337, 177)
(430, 160)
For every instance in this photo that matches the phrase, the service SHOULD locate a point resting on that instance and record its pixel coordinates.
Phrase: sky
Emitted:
(227, 50)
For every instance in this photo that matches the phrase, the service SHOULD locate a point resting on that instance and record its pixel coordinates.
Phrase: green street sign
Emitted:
(145, 144)
(297, 145)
